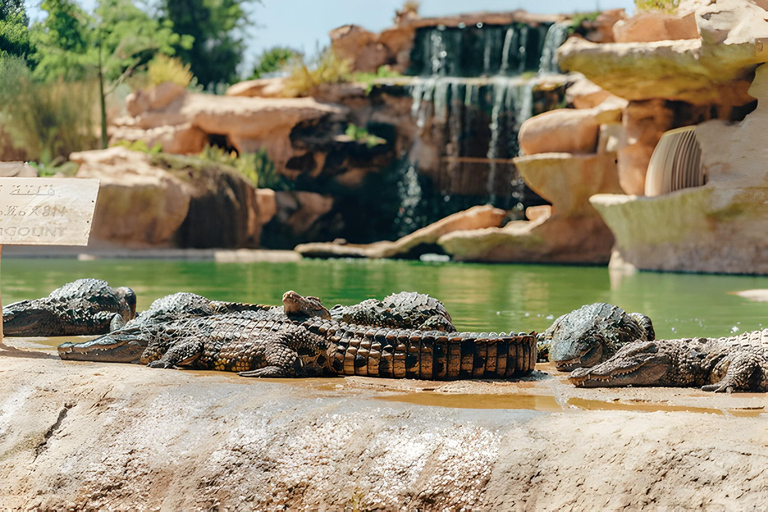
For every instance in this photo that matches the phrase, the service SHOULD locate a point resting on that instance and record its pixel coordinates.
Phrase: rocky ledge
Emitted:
(88, 436)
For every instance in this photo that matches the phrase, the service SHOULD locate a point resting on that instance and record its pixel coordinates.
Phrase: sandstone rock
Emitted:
(249, 124)
(477, 217)
(399, 42)
(682, 70)
(183, 139)
(155, 98)
(603, 32)
(260, 87)
(138, 203)
(267, 205)
(563, 130)
(371, 57)
(570, 232)
(167, 200)
(537, 212)
(348, 41)
(655, 26)
(719, 227)
(585, 94)
(644, 123)
(568, 181)
(732, 22)
(298, 211)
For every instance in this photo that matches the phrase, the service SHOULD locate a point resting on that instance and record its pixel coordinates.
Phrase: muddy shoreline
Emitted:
(84, 436)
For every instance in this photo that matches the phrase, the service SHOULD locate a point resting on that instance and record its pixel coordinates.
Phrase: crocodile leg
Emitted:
(281, 361)
(182, 354)
(738, 375)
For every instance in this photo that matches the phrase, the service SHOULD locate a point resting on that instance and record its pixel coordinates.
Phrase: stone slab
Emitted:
(40, 211)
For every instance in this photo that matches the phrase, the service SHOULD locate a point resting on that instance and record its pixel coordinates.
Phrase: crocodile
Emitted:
(85, 306)
(591, 334)
(188, 305)
(737, 363)
(404, 310)
(303, 341)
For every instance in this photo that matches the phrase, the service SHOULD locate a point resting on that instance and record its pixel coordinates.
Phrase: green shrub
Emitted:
(360, 134)
(273, 59)
(657, 5)
(46, 120)
(256, 167)
(326, 68)
(163, 69)
(140, 145)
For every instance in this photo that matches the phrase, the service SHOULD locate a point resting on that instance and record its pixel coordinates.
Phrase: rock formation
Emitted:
(719, 227)
(167, 200)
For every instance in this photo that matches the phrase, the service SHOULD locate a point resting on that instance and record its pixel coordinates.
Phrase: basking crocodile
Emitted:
(303, 341)
(738, 363)
(85, 306)
(404, 310)
(188, 305)
(592, 334)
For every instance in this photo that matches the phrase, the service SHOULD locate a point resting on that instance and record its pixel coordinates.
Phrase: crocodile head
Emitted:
(641, 363)
(575, 345)
(296, 305)
(123, 346)
(29, 318)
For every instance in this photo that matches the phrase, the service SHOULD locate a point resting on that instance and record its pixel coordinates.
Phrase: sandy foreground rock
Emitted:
(87, 436)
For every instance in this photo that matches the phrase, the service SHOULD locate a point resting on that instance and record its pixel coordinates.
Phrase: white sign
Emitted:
(46, 211)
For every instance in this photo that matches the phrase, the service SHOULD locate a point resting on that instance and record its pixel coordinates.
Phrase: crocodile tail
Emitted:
(645, 324)
(432, 355)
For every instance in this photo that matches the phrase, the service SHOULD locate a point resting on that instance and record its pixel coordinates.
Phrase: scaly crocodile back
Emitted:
(179, 306)
(404, 310)
(84, 306)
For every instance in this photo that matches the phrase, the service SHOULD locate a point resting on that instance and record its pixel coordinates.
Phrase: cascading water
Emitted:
(475, 85)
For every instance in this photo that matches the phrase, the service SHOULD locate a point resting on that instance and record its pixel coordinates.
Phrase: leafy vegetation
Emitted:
(140, 145)
(256, 167)
(216, 28)
(273, 59)
(49, 119)
(360, 134)
(163, 69)
(14, 32)
(326, 68)
(657, 5)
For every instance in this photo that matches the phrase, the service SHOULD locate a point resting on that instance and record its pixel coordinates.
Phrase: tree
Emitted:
(14, 29)
(214, 24)
(273, 59)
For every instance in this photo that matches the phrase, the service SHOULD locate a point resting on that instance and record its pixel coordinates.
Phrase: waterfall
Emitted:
(473, 87)
(556, 36)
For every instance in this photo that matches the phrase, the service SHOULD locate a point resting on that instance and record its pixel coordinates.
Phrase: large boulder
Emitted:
(169, 200)
(719, 227)
(138, 203)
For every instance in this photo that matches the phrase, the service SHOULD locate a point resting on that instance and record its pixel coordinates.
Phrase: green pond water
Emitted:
(479, 297)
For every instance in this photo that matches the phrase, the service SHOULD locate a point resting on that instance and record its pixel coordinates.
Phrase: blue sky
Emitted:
(302, 24)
